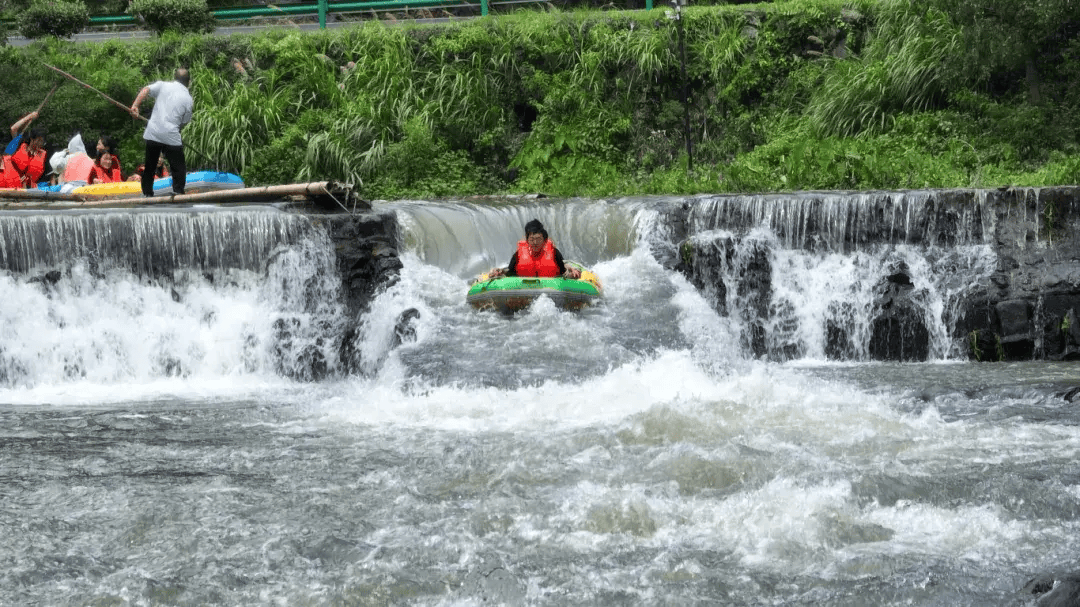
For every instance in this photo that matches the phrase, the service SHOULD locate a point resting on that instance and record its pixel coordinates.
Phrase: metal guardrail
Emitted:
(321, 8)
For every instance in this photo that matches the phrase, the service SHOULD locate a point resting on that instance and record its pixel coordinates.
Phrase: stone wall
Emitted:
(1027, 310)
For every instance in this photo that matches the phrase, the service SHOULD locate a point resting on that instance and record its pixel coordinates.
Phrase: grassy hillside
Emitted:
(808, 94)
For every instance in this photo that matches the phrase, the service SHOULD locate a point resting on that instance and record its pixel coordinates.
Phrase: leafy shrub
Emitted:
(182, 16)
(48, 18)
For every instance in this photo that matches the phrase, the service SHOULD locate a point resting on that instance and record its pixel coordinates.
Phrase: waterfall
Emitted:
(837, 221)
(859, 276)
(149, 242)
(139, 295)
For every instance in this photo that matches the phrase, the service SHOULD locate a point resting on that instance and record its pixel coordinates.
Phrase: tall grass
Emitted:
(590, 103)
(903, 69)
(240, 118)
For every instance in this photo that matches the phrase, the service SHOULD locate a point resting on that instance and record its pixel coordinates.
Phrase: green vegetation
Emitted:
(973, 343)
(180, 16)
(790, 95)
(53, 18)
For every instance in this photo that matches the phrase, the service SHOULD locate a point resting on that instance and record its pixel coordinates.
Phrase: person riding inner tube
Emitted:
(536, 256)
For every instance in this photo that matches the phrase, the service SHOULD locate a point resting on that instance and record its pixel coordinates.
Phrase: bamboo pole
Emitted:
(42, 106)
(126, 108)
(46, 99)
(257, 194)
(34, 194)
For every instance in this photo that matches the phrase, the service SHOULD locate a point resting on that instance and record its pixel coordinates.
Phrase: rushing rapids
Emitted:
(195, 410)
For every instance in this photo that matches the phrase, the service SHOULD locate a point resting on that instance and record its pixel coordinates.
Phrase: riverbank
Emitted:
(828, 95)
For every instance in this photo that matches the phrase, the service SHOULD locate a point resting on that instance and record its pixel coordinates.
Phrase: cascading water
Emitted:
(139, 296)
(808, 276)
(176, 429)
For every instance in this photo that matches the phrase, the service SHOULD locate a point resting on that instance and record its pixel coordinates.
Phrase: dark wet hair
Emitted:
(110, 147)
(535, 227)
(35, 133)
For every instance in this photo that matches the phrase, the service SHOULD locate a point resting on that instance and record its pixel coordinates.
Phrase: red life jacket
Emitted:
(30, 167)
(161, 171)
(544, 266)
(100, 175)
(9, 178)
(79, 167)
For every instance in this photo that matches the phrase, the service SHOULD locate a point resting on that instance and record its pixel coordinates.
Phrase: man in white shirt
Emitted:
(171, 113)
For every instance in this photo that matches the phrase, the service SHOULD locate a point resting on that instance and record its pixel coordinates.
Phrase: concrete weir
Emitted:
(989, 274)
(165, 238)
(319, 193)
(1024, 307)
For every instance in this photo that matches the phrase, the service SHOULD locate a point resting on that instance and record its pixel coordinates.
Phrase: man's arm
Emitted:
(573, 272)
(559, 261)
(134, 111)
(18, 126)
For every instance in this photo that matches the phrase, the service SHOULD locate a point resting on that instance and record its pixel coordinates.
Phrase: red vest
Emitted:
(30, 167)
(543, 267)
(9, 178)
(100, 175)
(161, 172)
(79, 167)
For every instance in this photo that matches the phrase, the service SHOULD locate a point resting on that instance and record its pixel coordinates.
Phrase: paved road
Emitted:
(133, 35)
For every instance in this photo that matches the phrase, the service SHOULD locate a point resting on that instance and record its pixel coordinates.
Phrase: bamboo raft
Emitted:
(319, 193)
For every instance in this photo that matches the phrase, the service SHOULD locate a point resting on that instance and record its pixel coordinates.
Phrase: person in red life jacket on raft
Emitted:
(162, 170)
(536, 256)
(107, 145)
(25, 166)
(106, 170)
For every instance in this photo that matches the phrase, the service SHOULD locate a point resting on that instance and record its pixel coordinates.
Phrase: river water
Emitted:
(157, 449)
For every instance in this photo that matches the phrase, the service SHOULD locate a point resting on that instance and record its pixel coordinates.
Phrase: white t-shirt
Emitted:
(172, 110)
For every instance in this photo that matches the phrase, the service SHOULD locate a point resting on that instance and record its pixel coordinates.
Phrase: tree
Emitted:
(1003, 37)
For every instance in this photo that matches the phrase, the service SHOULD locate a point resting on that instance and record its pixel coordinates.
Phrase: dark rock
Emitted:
(900, 279)
(366, 246)
(405, 328)
(983, 345)
(901, 335)
(1014, 320)
(1053, 590)
(838, 344)
(49, 278)
(898, 332)
(349, 353)
(705, 263)
(311, 364)
(298, 350)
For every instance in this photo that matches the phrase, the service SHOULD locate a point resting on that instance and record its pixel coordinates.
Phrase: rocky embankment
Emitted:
(1026, 309)
(1029, 308)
